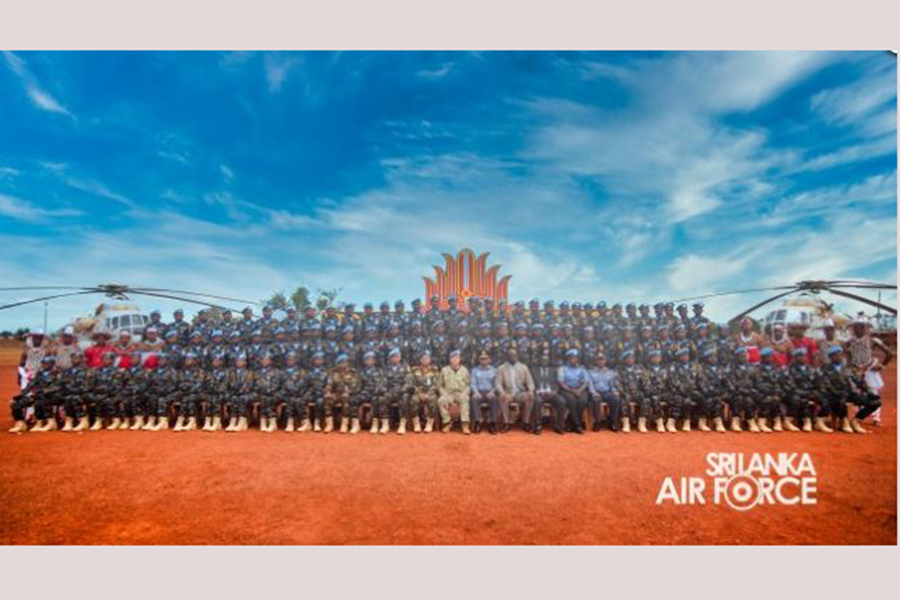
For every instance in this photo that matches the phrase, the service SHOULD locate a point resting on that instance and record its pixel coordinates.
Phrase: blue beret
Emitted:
(341, 358)
(709, 351)
(369, 354)
(834, 350)
(740, 350)
(394, 352)
(682, 352)
(655, 352)
(572, 352)
(628, 353)
(348, 329)
(454, 353)
(318, 355)
(171, 333)
(765, 352)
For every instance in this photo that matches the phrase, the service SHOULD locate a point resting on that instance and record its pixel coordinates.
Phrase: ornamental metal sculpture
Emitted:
(466, 275)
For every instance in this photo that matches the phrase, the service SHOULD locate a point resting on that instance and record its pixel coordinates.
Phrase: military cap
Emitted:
(643, 308)
(329, 327)
(617, 306)
(834, 350)
(740, 350)
(702, 326)
(155, 312)
(462, 323)
(567, 326)
(371, 329)
(348, 329)
(682, 307)
(537, 325)
(521, 325)
(708, 351)
(148, 330)
(799, 352)
(234, 334)
(534, 301)
(608, 327)
(267, 308)
(548, 303)
(628, 354)
(439, 323)
(318, 354)
(341, 358)
(484, 325)
(189, 356)
(572, 352)
(292, 311)
(246, 310)
(435, 298)
(630, 306)
(680, 327)
(698, 305)
(682, 352)
(367, 305)
(587, 328)
(452, 299)
(398, 303)
(670, 305)
(48, 358)
(518, 304)
(601, 304)
(368, 354)
(194, 334)
(216, 333)
(178, 311)
(394, 352)
(766, 351)
(564, 304)
(279, 330)
(588, 306)
(647, 328)
(425, 353)
(655, 352)
(483, 354)
(576, 305)
(454, 353)
(417, 302)
(240, 357)
(256, 332)
(169, 334)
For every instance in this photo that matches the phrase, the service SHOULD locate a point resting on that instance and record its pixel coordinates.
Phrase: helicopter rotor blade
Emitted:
(864, 300)
(180, 299)
(168, 291)
(45, 287)
(869, 286)
(13, 305)
(748, 291)
(763, 303)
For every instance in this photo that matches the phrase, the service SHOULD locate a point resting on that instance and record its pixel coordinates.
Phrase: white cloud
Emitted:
(226, 171)
(40, 97)
(22, 210)
(277, 68)
(437, 73)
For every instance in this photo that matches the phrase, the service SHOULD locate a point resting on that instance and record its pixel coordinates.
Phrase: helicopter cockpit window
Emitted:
(115, 323)
(780, 315)
(126, 320)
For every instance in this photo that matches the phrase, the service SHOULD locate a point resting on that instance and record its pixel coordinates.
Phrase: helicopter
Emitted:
(809, 309)
(122, 314)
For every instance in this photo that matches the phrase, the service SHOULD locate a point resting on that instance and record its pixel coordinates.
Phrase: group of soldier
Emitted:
(398, 370)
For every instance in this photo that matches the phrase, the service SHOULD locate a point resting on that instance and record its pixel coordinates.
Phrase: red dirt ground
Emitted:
(254, 488)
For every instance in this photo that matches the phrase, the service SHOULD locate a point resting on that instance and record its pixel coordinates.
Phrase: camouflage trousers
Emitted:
(238, 404)
(742, 405)
(346, 401)
(424, 402)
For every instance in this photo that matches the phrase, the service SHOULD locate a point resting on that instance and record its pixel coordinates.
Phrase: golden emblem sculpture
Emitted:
(464, 276)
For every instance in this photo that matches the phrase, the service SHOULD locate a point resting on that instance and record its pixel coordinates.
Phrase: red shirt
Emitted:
(812, 348)
(123, 355)
(93, 356)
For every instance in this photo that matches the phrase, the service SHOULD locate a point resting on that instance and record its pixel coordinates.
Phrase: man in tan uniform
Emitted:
(454, 387)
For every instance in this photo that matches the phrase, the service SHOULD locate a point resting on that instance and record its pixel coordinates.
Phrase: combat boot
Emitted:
(354, 426)
(68, 424)
(179, 424)
(856, 424)
(19, 427)
(401, 428)
(736, 424)
(243, 424)
(51, 424)
(763, 426)
(789, 424)
(642, 424)
(686, 426)
(447, 427)
(39, 426)
(345, 424)
(82, 425)
(701, 424)
(776, 425)
(114, 424)
(465, 429)
(329, 425)
(417, 425)
(719, 425)
(626, 425)
(822, 426)
(304, 426)
(385, 426)
(138, 423)
(845, 425)
(429, 425)
(125, 424)
(149, 424)
(98, 424)
(289, 427)
(660, 426)
(216, 423)
(191, 424)
(374, 426)
(670, 425)
(807, 425)
(207, 425)
(317, 425)
(752, 426)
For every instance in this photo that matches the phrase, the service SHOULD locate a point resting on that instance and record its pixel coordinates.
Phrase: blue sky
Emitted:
(588, 176)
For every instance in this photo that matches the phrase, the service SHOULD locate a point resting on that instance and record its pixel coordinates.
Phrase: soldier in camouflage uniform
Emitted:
(76, 382)
(102, 395)
(398, 387)
(293, 378)
(266, 390)
(425, 380)
(190, 393)
(135, 392)
(342, 388)
(240, 394)
(684, 390)
(768, 382)
(711, 386)
(740, 380)
(372, 387)
(215, 390)
(42, 393)
(655, 399)
(162, 385)
(802, 385)
(840, 387)
(629, 387)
